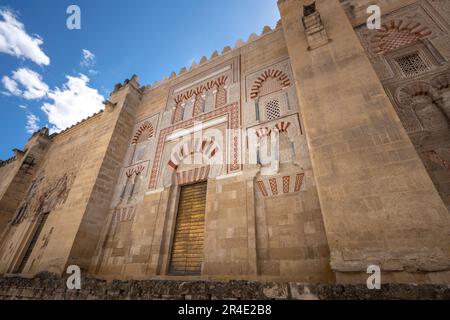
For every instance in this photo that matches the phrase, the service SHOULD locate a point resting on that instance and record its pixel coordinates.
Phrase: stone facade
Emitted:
(410, 55)
(325, 147)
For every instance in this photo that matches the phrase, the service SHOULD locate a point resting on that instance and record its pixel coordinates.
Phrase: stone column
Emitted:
(378, 202)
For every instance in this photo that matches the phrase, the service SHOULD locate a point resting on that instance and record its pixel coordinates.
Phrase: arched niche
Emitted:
(419, 108)
(192, 162)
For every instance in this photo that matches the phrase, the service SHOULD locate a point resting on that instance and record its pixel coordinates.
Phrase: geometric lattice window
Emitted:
(412, 64)
(273, 109)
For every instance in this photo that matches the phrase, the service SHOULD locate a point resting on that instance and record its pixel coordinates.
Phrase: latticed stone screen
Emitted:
(273, 109)
(412, 64)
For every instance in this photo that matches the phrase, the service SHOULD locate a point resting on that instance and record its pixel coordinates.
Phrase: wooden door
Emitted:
(187, 249)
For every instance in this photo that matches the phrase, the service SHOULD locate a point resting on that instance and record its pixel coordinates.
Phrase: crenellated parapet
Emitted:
(214, 56)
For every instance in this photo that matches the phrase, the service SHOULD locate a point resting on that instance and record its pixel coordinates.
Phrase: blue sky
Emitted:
(52, 76)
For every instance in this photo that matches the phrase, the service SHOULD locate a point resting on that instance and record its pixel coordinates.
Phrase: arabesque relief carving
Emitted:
(44, 196)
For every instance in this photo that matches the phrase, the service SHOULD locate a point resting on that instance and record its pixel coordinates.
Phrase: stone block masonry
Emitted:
(47, 286)
(345, 111)
(343, 163)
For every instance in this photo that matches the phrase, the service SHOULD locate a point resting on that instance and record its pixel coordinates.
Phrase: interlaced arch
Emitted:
(397, 34)
(145, 132)
(269, 81)
(206, 147)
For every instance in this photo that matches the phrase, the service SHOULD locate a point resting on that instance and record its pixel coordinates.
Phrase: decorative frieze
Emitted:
(193, 175)
(286, 184)
(203, 92)
(273, 186)
(124, 214)
(279, 185)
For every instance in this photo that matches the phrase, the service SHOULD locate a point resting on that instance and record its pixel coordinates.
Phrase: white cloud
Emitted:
(88, 59)
(23, 107)
(32, 123)
(15, 41)
(11, 86)
(74, 102)
(88, 55)
(31, 84)
(35, 88)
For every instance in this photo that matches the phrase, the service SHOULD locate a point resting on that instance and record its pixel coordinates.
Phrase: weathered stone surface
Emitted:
(51, 287)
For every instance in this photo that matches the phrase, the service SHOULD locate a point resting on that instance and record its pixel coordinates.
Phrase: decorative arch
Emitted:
(397, 34)
(221, 95)
(213, 84)
(131, 182)
(282, 126)
(199, 103)
(145, 132)
(441, 82)
(437, 159)
(263, 132)
(271, 80)
(427, 115)
(275, 143)
(134, 171)
(406, 94)
(221, 81)
(180, 99)
(207, 147)
(179, 109)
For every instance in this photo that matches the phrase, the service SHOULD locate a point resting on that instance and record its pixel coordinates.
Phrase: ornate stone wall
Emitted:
(310, 175)
(244, 237)
(47, 193)
(377, 201)
(17, 173)
(411, 56)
